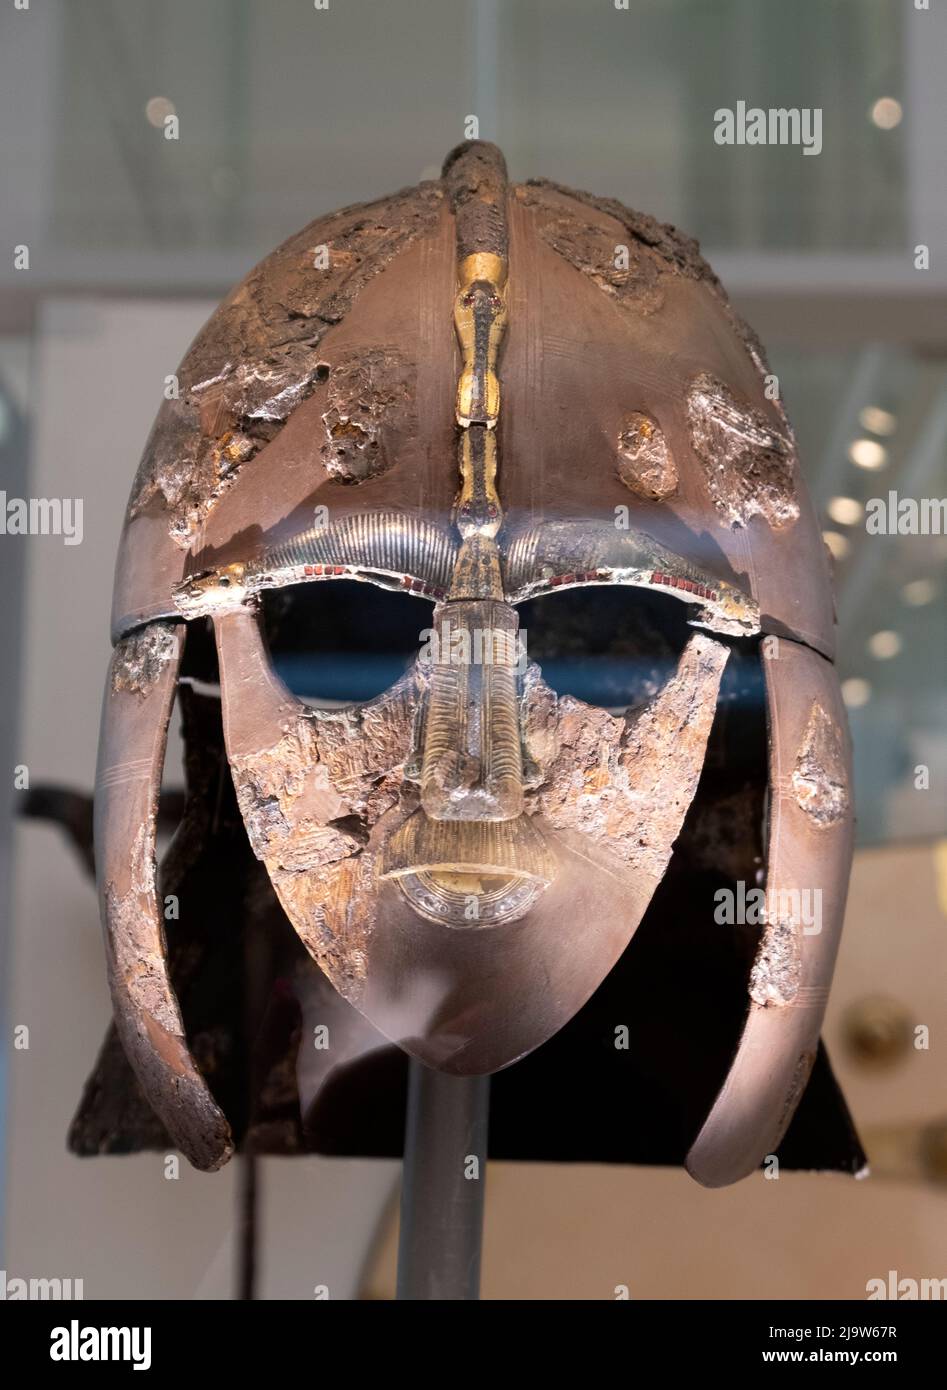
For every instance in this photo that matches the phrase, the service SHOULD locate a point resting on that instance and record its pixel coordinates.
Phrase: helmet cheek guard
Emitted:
(808, 861)
(464, 394)
(139, 694)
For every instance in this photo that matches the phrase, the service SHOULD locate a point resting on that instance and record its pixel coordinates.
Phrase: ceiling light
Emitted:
(886, 113)
(919, 592)
(158, 109)
(845, 510)
(877, 420)
(856, 692)
(838, 545)
(884, 645)
(868, 453)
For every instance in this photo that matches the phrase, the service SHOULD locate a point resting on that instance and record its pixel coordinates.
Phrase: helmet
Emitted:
(533, 416)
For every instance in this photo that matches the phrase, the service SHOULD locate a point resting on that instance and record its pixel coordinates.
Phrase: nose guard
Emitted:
(472, 768)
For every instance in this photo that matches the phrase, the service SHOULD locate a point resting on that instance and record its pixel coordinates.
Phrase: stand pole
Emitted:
(441, 1199)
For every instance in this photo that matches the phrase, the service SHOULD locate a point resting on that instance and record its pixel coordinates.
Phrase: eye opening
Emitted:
(344, 642)
(609, 646)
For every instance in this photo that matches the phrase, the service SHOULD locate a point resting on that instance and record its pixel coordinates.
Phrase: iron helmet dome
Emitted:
(482, 395)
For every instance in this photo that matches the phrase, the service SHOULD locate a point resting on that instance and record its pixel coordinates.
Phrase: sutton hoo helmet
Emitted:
(504, 403)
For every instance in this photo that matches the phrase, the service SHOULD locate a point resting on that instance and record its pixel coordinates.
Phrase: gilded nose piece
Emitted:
(471, 768)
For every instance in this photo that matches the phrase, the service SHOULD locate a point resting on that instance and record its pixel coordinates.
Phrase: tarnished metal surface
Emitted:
(256, 361)
(643, 234)
(777, 968)
(421, 558)
(311, 784)
(472, 767)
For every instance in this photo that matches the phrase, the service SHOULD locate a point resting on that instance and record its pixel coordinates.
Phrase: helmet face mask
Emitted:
(435, 925)
(495, 412)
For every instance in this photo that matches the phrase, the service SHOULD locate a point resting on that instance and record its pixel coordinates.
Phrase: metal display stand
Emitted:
(442, 1194)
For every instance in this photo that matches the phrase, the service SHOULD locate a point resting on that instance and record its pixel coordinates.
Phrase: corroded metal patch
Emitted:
(370, 393)
(134, 950)
(645, 464)
(333, 908)
(777, 968)
(474, 174)
(749, 463)
(678, 253)
(625, 782)
(258, 357)
(631, 278)
(139, 659)
(309, 803)
(819, 778)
